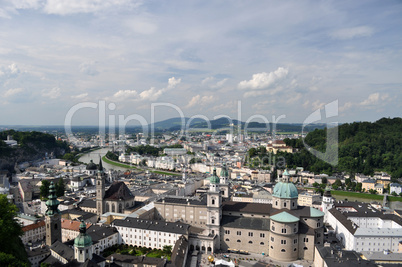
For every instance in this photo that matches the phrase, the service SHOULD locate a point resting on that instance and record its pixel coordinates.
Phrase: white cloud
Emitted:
(350, 33)
(61, 7)
(213, 83)
(141, 25)
(200, 101)
(263, 80)
(12, 92)
(173, 82)
(88, 68)
(151, 94)
(52, 93)
(80, 96)
(125, 95)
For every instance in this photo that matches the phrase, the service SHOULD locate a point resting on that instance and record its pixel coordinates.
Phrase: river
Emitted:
(94, 155)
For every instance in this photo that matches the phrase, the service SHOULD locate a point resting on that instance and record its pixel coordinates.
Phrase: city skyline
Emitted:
(276, 58)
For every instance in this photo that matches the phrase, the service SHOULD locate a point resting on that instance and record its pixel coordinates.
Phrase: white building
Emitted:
(149, 233)
(394, 187)
(361, 227)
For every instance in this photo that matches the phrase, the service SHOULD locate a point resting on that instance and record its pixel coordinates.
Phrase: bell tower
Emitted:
(100, 190)
(52, 220)
(214, 203)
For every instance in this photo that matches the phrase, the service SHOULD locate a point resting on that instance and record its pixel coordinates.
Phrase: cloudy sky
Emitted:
(198, 58)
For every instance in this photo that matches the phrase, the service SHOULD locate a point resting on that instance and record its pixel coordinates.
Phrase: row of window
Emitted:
(251, 234)
(239, 241)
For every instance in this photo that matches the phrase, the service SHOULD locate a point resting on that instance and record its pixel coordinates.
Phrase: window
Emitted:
(238, 241)
(262, 243)
(295, 230)
(273, 228)
(295, 241)
(283, 242)
(293, 204)
(305, 248)
(272, 239)
(283, 250)
(318, 224)
(305, 239)
(227, 232)
(250, 242)
(272, 247)
(283, 231)
(213, 201)
(227, 239)
(212, 221)
(276, 203)
(294, 249)
(262, 235)
(250, 233)
(284, 204)
(238, 232)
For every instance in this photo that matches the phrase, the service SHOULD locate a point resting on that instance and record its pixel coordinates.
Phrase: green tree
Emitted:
(167, 250)
(12, 251)
(359, 187)
(337, 184)
(60, 188)
(44, 189)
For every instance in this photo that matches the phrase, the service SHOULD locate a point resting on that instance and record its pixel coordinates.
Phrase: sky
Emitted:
(87, 62)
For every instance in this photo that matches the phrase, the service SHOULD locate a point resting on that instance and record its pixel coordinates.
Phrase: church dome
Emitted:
(83, 240)
(91, 166)
(214, 179)
(285, 190)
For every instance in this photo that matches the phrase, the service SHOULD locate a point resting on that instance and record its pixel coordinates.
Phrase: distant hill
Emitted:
(175, 124)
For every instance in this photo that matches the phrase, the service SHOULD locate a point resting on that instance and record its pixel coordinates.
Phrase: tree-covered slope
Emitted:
(364, 147)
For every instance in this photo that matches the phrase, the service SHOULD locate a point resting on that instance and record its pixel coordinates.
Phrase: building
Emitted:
(394, 187)
(150, 233)
(118, 198)
(283, 230)
(361, 227)
(33, 232)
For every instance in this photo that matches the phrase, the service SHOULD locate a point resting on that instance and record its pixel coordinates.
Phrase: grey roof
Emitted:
(255, 208)
(63, 250)
(88, 203)
(245, 222)
(343, 220)
(344, 258)
(118, 191)
(184, 201)
(100, 232)
(161, 226)
(381, 256)
(179, 251)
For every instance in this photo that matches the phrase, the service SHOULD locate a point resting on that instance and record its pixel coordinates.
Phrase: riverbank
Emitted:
(128, 166)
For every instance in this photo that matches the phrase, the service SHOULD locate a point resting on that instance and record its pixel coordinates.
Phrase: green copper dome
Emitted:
(284, 217)
(285, 190)
(214, 179)
(83, 240)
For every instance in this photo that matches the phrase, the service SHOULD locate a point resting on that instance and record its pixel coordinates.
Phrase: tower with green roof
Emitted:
(83, 248)
(52, 220)
(285, 195)
(214, 205)
(224, 185)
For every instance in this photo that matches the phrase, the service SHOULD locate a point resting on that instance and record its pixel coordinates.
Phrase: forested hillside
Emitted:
(31, 145)
(364, 147)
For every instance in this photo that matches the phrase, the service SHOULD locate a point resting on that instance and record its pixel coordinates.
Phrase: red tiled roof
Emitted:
(33, 226)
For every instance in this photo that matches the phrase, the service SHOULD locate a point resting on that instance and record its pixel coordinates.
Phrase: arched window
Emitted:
(238, 240)
(250, 242)
(276, 203)
(213, 201)
(283, 231)
(283, 250)
(284, 204)
(262, 243)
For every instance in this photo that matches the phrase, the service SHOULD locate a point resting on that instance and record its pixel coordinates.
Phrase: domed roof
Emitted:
(83, 240)
(214, 179)
(284, 217)
(285, 190)
(91, 166)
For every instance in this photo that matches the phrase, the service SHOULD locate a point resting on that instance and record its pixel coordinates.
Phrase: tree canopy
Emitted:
(12, 251)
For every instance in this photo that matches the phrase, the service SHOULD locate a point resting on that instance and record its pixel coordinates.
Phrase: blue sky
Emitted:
(203, 58)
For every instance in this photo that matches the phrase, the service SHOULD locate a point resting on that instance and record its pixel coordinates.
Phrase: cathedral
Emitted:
(283, 230)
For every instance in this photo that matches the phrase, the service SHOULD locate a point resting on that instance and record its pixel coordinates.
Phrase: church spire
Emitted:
(100, 167)
(52, 203)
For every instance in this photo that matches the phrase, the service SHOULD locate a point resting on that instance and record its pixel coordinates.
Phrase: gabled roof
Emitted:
(118, 191)
(284, 217)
